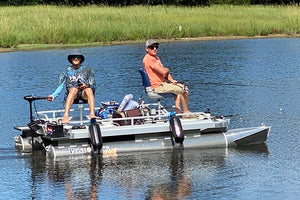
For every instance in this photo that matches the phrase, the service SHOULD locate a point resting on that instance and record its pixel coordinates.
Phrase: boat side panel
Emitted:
(206, 126)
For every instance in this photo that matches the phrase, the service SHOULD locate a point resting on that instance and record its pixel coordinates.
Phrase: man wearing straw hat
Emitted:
(80, 84)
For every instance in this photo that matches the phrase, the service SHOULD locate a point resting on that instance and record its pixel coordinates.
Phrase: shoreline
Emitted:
(37, 47)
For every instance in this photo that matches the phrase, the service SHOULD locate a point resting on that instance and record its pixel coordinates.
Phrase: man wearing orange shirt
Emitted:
(161, 79)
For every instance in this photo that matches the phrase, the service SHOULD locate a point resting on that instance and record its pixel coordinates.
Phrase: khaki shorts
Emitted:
(169, 88)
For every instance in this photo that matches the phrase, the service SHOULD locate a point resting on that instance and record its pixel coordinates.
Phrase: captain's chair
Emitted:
(148, 90)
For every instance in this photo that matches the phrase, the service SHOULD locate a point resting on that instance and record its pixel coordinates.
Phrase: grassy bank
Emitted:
(55, 26)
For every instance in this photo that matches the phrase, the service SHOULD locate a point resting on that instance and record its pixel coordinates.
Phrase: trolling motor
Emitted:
(32, 124)
(30, 99)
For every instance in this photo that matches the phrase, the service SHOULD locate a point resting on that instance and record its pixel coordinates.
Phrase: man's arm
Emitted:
(58, 90)
(165, 72)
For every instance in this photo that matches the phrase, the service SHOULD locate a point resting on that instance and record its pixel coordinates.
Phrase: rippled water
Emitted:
(256, 81)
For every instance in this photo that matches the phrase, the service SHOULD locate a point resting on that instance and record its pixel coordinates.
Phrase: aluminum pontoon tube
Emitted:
(56, 151)
(206, 141)
(25, 144)
(190, 141)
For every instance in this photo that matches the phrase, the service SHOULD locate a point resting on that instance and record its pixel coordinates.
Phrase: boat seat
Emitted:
(80, 103)
(148, 90)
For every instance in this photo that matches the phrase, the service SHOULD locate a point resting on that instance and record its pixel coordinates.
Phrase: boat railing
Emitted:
(153, 118)
(53, 114)
(56, 115)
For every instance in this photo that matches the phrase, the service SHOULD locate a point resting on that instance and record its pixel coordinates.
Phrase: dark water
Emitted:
(255, 81)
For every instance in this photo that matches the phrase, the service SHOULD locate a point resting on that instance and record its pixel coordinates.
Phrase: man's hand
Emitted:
(50, 98)
(82, 86)
(174, 82)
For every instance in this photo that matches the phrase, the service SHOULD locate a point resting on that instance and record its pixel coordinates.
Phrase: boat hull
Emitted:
(235, 137)
(143, 133)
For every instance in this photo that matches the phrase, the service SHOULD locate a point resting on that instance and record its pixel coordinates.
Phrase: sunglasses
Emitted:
(74, 57)
(153, 46)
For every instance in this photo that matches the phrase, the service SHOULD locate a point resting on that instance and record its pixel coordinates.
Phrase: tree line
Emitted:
(151, 2)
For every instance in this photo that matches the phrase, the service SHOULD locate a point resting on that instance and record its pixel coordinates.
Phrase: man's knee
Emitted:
(72, 93)
(88, 92)
(72, 90)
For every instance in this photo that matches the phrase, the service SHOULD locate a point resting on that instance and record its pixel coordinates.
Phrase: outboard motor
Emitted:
(176, 129)
(96, 137)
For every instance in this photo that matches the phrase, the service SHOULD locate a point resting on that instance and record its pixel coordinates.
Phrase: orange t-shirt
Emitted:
(150, 63)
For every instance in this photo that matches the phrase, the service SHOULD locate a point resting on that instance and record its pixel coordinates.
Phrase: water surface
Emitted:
(254, 80)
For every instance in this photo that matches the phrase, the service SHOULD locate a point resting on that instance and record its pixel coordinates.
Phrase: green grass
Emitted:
(62, 25)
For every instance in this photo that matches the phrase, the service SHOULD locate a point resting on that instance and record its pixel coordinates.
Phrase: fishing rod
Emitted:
(229, 84)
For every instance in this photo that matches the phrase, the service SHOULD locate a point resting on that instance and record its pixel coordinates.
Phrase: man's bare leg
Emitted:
(184, 98)
(70, 99)
(89, 96)
(177, 104)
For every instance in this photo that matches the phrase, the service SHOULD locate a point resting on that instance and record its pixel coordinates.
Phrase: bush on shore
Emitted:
(151, 2)
(45, 24)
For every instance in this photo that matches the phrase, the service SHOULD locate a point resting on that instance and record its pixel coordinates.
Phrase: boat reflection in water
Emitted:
(156, 175)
